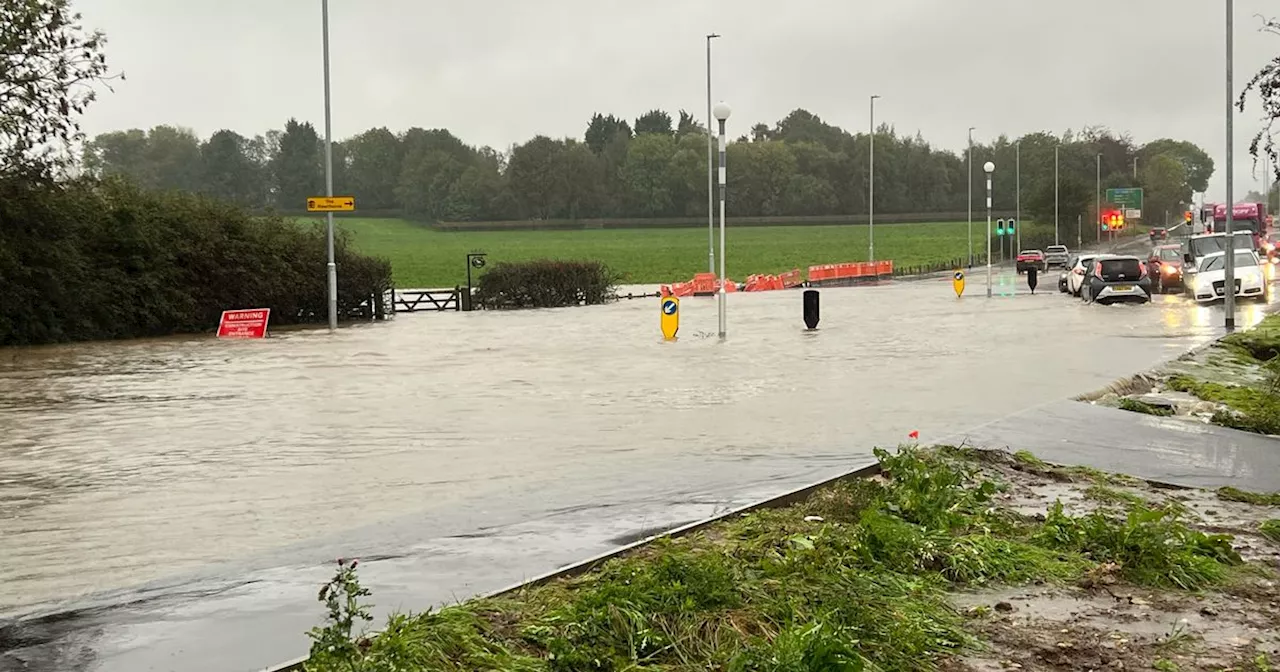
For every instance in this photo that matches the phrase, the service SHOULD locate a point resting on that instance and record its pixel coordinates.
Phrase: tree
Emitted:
(654, 121)
(173, 156)
(297, 166)
(603, 129)
(689, 125)
(537, 186)
(49, 67)
(376, 158)
(229, 170)
(1165, 188)
(1266, 83)
(1197, 163)
(647, 175)
(119, 153)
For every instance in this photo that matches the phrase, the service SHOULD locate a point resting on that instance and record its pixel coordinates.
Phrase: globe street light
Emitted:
(990, 168)
(721, 113)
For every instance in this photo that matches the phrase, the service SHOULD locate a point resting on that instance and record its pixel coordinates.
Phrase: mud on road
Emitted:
(1104, 623)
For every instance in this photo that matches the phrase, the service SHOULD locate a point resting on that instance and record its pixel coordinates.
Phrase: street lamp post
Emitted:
(711, 169)
(328, 170)
(1017, 188)
(989, 167)
(970, 190)
(1097, 198)
(722, 111)
(871, 187)
(1229, 268)
(1055, 195)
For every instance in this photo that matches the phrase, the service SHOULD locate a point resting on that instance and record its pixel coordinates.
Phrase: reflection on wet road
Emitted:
(160, 469)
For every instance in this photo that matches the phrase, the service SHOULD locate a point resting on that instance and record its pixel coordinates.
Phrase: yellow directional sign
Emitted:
(957, 282)
(331, 204)
(670, 317)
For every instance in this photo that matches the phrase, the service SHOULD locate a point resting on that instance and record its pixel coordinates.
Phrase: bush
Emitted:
(86, 259)
(546, 284)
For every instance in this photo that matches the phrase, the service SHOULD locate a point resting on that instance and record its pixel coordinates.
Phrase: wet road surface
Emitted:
(175, 502)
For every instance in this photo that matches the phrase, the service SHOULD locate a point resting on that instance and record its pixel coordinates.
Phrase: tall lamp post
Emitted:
(970, 190)
(711, 170)
(871, 187)
(721, 112)
(989, 167)
(1055, 194)
(1017, 191)
(1097, 197)
(1229, 268)
(328, 170)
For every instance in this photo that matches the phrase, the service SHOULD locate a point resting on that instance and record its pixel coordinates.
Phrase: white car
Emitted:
(1075, 274)
(1209, 279)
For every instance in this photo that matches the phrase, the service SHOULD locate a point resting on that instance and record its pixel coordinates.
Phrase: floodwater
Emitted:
(129, 464)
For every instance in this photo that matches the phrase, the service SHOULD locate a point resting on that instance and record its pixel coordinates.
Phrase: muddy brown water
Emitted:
(127, 462)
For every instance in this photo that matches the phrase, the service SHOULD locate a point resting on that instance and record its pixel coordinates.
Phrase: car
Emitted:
(1196, 247)
(1057, 255)
(1118, 278)
(1029, 259)
(1076, 273)
(1208, 281)
(1158, 233)
(1165, 264)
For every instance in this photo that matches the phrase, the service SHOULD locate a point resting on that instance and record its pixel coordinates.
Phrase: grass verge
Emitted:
(861, 576)
(1240, 374)
(422, 257)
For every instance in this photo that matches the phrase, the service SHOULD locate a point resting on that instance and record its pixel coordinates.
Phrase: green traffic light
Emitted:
(1000, 231)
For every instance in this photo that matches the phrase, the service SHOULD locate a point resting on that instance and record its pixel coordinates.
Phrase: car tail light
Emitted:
(1078, 271)
(1097, 269)
(1142, 270)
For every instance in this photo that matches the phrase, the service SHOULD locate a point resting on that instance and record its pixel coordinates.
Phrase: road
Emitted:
(176, 502)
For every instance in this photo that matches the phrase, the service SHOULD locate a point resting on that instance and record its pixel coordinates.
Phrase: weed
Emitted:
(1109, 495)
(1136, 406)
(1152, 547)
(1025, 458)
(336, 644)
(1165, 665)
(1270, 529)
(1231, 494)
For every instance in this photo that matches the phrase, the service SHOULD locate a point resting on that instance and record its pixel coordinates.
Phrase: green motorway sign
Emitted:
(1128, 197)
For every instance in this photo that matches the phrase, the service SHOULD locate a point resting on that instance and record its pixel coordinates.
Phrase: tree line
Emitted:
(654, 166)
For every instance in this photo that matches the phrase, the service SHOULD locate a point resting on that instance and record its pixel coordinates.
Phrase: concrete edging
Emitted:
(584, 566)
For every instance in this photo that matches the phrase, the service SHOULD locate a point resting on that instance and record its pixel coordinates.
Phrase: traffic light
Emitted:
(1008, 226)
(1186, 217)
(999, 227)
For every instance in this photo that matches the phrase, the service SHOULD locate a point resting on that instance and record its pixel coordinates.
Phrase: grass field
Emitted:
(422, 257)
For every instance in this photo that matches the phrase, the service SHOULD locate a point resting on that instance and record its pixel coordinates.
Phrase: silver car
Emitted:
(1056, 255)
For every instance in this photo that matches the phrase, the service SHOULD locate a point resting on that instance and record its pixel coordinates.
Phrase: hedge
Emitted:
(88, 259)
(546, 284)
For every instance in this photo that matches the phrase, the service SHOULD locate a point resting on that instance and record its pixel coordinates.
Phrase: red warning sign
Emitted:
(251, 323)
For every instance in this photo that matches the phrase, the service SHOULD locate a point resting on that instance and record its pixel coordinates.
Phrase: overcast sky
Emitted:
(496, 72)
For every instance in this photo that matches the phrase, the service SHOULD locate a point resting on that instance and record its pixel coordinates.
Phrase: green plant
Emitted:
(1152, 547)
(546, 284)
(1136, 406)
(1270, 529)
(337, 644)
(1231, 494)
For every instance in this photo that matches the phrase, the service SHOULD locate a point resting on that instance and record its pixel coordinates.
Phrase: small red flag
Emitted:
(915, 434)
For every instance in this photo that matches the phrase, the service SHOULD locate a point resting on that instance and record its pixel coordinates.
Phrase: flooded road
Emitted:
(158, 468)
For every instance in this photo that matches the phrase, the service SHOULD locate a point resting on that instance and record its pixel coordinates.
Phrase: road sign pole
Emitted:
(328, 169)
(1229, 279)
(989, 167)
(1017, 181)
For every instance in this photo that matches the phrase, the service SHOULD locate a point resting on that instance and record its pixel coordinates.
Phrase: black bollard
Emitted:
(811, 308)
(1031, 279)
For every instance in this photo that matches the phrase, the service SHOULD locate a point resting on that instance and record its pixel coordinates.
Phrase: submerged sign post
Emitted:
(670, 317)
(250, 323)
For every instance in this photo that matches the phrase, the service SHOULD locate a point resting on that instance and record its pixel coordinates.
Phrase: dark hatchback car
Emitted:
(1117, 279)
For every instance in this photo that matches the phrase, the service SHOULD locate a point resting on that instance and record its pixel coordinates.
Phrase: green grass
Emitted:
(1271, 529)
(855, 578)
(422, 257)
(1231, 494)
(1136, 406)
